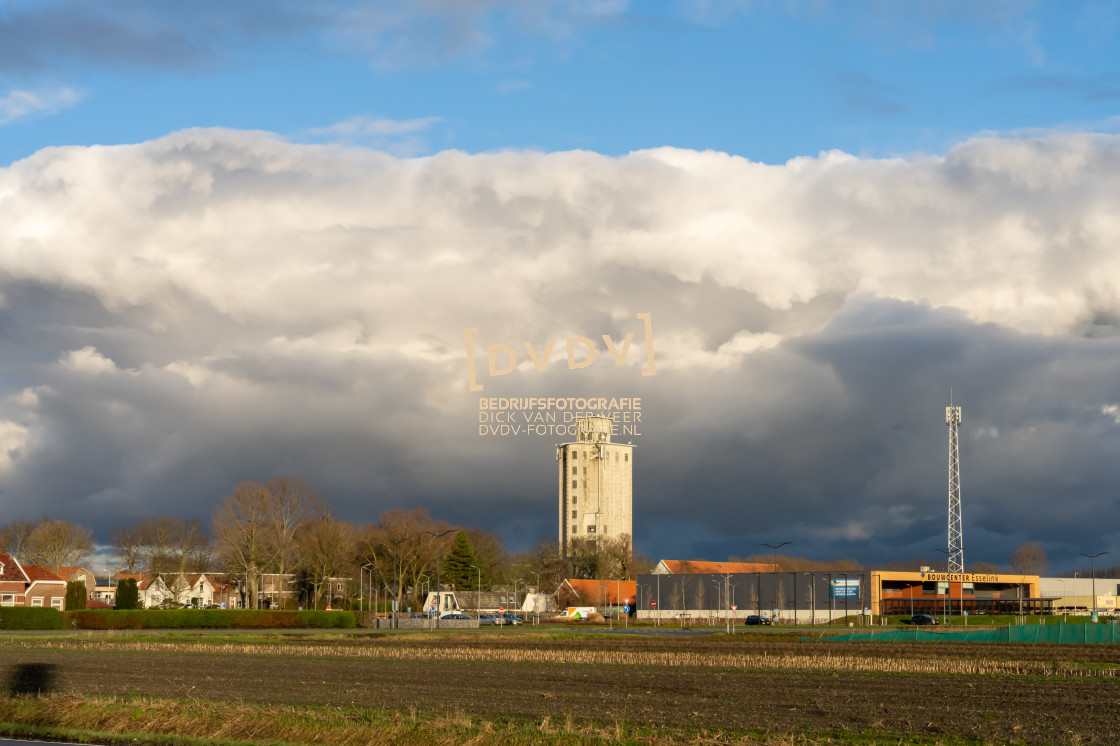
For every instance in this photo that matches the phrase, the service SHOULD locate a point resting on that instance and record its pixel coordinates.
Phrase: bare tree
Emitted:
(128, 545)
(14, 536)
(326, 551)
(241, 528)
(1029, 559)
(293, 504)
(58, 544)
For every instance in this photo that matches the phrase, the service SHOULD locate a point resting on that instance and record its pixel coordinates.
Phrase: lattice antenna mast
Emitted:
(956, 550)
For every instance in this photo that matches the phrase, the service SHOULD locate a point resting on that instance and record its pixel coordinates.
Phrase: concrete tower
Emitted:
(596, 485)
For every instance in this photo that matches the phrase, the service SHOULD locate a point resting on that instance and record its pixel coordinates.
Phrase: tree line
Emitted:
(284, 527)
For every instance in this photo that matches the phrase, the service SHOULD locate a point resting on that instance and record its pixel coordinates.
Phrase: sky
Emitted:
(244, 240)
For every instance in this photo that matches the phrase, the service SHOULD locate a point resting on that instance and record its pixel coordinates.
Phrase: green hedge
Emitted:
(188, 618)
(30, 617)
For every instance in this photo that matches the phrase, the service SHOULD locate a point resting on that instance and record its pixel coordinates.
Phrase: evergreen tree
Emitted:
(457, 568)
(128, 594)
(75, 595)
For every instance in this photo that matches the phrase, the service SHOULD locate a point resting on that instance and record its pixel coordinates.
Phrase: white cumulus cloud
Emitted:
(19, 104)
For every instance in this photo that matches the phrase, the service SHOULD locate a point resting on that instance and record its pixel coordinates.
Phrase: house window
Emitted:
(8, 599)
(573, 514)
(338, 586)
(57, 603)
(575, 529)
(36, 602)
(590, 529)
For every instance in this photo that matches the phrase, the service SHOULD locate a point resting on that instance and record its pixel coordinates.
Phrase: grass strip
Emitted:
(827, 661)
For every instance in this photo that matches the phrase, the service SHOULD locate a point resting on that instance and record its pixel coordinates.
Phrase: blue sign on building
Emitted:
(845, 588)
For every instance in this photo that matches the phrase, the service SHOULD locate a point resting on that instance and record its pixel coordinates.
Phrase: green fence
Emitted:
(1079, 634)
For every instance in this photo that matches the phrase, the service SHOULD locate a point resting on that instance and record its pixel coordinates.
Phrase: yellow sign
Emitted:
(962, 577)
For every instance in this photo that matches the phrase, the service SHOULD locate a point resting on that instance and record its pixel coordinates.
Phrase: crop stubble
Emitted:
(1029, 707)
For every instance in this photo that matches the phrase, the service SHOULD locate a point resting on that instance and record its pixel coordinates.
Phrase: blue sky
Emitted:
(834, 212)
(768, 81)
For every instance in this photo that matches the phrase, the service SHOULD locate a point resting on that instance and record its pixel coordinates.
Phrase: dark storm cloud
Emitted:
(214, 306)
(38, 37)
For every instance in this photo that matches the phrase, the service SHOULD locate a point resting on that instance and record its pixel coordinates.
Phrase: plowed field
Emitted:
(745, 685)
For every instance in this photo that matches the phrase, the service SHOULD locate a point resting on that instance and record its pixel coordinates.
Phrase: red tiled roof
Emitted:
(66, 572)
(38, 572)
(93, 603)
(603, 591)
(703, 567)
(11, 569)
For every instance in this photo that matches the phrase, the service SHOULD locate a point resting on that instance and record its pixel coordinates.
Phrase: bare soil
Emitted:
(1000, 709)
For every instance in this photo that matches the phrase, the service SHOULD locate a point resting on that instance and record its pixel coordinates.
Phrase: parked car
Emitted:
(922, 619)
(453, 615)
(756, 619)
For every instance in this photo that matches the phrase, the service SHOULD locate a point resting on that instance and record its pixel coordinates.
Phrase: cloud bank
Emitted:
(221, 305)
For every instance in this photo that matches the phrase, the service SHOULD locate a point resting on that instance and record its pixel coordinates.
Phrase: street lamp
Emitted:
(949, 591)
(439, 598)
(727, 581)
(1093, 566)
(362, 588)
(812, 598)
(478, 598)
(536, 611)
(774, 569)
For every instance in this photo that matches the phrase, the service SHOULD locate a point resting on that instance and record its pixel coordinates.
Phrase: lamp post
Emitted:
(478, 598)
(727, 583)
(361, 591)
(812, 598)
(658, 599)
(536, 611)
(831, 594)
(439, 597)
(396, 570)
(774, 570)
(949, 591)
(1093, 566)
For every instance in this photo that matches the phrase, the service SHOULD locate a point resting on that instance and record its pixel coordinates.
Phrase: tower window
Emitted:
(585, 471)
(616, 457)
(626, 457)
(575, 529)
(590, 529)
(575, 484)
(573, 514)
(575, 500)
(575, 470)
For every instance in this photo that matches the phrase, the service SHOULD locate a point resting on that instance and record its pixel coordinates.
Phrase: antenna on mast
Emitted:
(956, 550)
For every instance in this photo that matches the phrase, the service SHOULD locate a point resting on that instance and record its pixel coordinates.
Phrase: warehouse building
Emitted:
(820, 597)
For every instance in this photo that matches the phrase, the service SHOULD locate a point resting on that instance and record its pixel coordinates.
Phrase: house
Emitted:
(29, 585)
(82, 575)
(576, 592)
(152, 590)
(703, 567)
(105, 592)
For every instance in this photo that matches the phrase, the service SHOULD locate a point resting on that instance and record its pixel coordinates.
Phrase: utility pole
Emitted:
(1093, 565)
